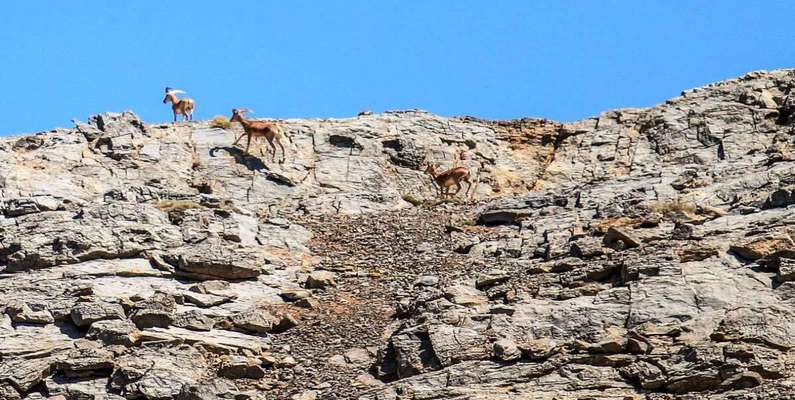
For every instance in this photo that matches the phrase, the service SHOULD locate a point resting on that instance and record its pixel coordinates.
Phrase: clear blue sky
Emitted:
(563, 60)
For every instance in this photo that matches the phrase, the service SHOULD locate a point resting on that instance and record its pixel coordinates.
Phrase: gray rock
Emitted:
(114, 332)
(238, 367)
(193, 320)
(427, 280)
(641, 253)
(22, 313)
(254, 320)
(506, 350)
(85, 314)
(321, 279)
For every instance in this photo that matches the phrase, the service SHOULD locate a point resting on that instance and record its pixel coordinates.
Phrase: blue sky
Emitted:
(563, 60)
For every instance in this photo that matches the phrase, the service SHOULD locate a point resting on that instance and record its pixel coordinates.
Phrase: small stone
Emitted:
(194, 320)
(427, 280)
(743, 380)
(786, 270)
(757, 248)
(338, 360)
(205, 300)
(286, 362)
(240, 367)
(268, 359)
(306, 303)
(320, 279)
(305, 395)
(368, 380)
(207, 287)
(286, 322)
(295, 294)
(618, 239)
(491, 278)
(22, 313)
(358, 357)
(506, 350)
(149, 318)
(115, 332)
(85, 314)
(254, 320)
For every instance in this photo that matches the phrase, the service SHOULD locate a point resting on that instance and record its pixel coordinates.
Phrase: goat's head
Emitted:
(430, 169)
(238, 114)
(171, 95)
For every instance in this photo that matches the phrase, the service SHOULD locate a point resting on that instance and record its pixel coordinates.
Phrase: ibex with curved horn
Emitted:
(183, 107)
(271, 131)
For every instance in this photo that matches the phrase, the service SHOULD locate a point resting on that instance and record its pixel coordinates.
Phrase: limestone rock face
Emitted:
(639, 254)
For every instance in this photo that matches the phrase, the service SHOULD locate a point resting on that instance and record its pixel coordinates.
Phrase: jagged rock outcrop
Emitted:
(641, 254)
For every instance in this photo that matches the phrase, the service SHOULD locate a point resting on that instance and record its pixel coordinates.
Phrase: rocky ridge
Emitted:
(641, 254)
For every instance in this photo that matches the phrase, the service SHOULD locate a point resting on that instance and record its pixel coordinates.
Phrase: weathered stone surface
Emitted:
(241, 368)
(254, 320)
(86, 313)
(21, 312)
(113, 332)
(640, 254)
(320, 279)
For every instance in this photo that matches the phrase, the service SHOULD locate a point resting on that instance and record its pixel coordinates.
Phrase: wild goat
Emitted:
(271, 131)
(179, 106)
(447, 179)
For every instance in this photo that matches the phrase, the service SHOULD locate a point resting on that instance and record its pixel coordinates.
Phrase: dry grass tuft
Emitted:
(672, 207)
(220, 122)
(176, 205)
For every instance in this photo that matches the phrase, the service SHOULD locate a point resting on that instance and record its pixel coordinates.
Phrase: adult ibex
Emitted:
(183, 107)
(449, 178)
(271, 131)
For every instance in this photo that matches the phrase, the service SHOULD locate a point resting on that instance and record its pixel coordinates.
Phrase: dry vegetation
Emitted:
(672, 207)
(176, 205)
(220, 122)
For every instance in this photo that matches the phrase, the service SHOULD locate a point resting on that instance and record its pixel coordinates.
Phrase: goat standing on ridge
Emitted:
(271, 131)
(449, 178)
(179, 106)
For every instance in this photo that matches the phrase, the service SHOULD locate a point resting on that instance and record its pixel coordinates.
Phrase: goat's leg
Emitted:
(273, 149)
(248, 144)
(175, 116)
(238, 139)
(284, 153)
(457, 188)
(469, 186)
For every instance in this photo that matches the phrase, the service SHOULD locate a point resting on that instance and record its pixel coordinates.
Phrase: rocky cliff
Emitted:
(642, 254)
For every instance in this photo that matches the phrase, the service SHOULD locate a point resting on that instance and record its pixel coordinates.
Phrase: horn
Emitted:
(175, 91)
(168, 89)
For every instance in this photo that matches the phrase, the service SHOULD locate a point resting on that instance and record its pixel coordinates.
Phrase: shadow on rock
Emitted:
(251, 162)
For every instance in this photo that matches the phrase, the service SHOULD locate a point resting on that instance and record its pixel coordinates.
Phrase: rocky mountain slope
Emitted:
(642, 254)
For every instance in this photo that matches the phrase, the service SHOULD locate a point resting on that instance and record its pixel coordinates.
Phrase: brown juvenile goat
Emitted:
(271, 131)
(182, 107)
(449, 178)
